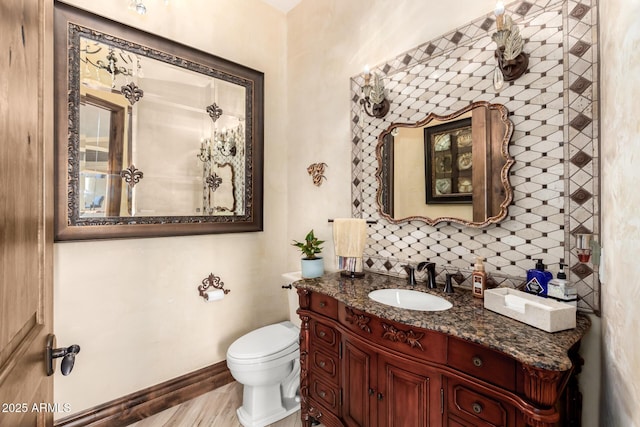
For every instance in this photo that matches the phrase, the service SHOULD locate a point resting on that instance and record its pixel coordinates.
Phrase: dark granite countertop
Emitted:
(467, 319)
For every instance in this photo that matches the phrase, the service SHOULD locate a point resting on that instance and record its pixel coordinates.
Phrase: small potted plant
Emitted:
(312, 265)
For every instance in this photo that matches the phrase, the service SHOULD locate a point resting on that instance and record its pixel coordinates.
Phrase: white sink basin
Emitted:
(412, 300)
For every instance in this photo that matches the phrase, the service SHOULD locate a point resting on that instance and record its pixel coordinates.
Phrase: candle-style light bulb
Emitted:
(499, 12)
(367, 75)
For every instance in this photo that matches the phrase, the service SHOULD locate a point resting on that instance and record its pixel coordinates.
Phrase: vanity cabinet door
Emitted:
(408, 394)
(358, 382)
(381, 390)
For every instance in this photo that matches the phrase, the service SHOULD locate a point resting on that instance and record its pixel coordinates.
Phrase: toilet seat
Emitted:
(265, 344)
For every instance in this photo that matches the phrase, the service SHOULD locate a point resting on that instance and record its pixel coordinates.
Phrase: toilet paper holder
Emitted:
(211, 281)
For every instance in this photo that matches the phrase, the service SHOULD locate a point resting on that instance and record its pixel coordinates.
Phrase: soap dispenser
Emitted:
(560, 289)
(538, 280)
(479, 279)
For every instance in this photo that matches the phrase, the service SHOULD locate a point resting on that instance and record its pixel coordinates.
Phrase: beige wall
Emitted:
(349, 35)
(147, 324)
(329, 42)
(133, 305)
(620, 38)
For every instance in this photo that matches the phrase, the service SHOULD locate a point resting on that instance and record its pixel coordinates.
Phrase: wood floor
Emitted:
(214, 409)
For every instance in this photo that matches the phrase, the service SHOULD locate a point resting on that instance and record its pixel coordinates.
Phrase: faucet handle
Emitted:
(411, 271)
(448, 286)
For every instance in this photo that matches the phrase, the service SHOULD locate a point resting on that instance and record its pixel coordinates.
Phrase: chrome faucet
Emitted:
(431, 273)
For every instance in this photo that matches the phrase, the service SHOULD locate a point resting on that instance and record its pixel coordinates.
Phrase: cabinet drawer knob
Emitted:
(477, 407)
(371, 392)
(477, 362)
(322, 333)
(321, 364)
(323, 304)
(322, 394)
(380, 396)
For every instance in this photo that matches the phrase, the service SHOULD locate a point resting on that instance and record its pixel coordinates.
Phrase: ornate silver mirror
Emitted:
(153, 138)
(451, 168)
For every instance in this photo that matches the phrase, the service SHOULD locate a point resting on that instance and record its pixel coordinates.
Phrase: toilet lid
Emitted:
(264, 341)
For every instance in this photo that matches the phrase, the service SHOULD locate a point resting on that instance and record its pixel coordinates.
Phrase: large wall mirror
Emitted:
(451, 168)
(153, 138)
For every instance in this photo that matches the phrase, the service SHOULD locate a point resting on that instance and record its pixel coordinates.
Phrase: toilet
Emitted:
(266, 362)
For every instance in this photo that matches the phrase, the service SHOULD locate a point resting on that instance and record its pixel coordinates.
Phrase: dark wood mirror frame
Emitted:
(491, 134)
(69, 22)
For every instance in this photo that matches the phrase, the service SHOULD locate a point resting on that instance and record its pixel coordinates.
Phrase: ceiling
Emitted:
(283, 5)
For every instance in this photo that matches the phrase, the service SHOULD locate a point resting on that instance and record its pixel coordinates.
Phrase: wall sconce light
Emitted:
(205, 154)
(584, 245)
(512, 61)
(374, 96)
(227, 141)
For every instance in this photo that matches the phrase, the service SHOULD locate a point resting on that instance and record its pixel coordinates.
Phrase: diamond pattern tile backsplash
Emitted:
(555, 178)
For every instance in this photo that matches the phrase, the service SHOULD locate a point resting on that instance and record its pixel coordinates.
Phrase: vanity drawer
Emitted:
(468, 404)
(325, 305)
(482, 362)
(325, 365)
(408, 340)
(325, 394)
(324, 336)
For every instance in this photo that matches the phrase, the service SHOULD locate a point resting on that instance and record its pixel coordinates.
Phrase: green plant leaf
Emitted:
(311, 245)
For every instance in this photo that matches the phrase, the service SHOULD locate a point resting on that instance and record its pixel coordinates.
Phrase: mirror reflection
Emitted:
(447, 168)
(127, 128)
(153, 138)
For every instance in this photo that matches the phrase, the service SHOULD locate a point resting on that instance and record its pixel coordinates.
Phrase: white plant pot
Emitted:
(312, 268)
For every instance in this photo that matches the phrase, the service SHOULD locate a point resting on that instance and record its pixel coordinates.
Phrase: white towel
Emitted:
(349, 238)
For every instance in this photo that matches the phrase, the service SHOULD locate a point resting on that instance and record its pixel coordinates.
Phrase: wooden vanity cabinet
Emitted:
(359, 370)
(358, 383)
(383, 390)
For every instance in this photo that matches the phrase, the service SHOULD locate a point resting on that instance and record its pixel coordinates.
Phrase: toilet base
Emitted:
(288, 406)
(270, 387)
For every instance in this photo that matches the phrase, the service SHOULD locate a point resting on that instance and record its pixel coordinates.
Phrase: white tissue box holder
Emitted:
(542, 313)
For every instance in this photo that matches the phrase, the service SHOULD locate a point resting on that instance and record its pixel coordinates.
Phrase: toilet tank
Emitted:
(292, 296)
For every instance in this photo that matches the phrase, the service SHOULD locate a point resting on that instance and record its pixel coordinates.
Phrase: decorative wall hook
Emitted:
(211, 281)
(512, 62)
(374, 96)
(316, 170)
